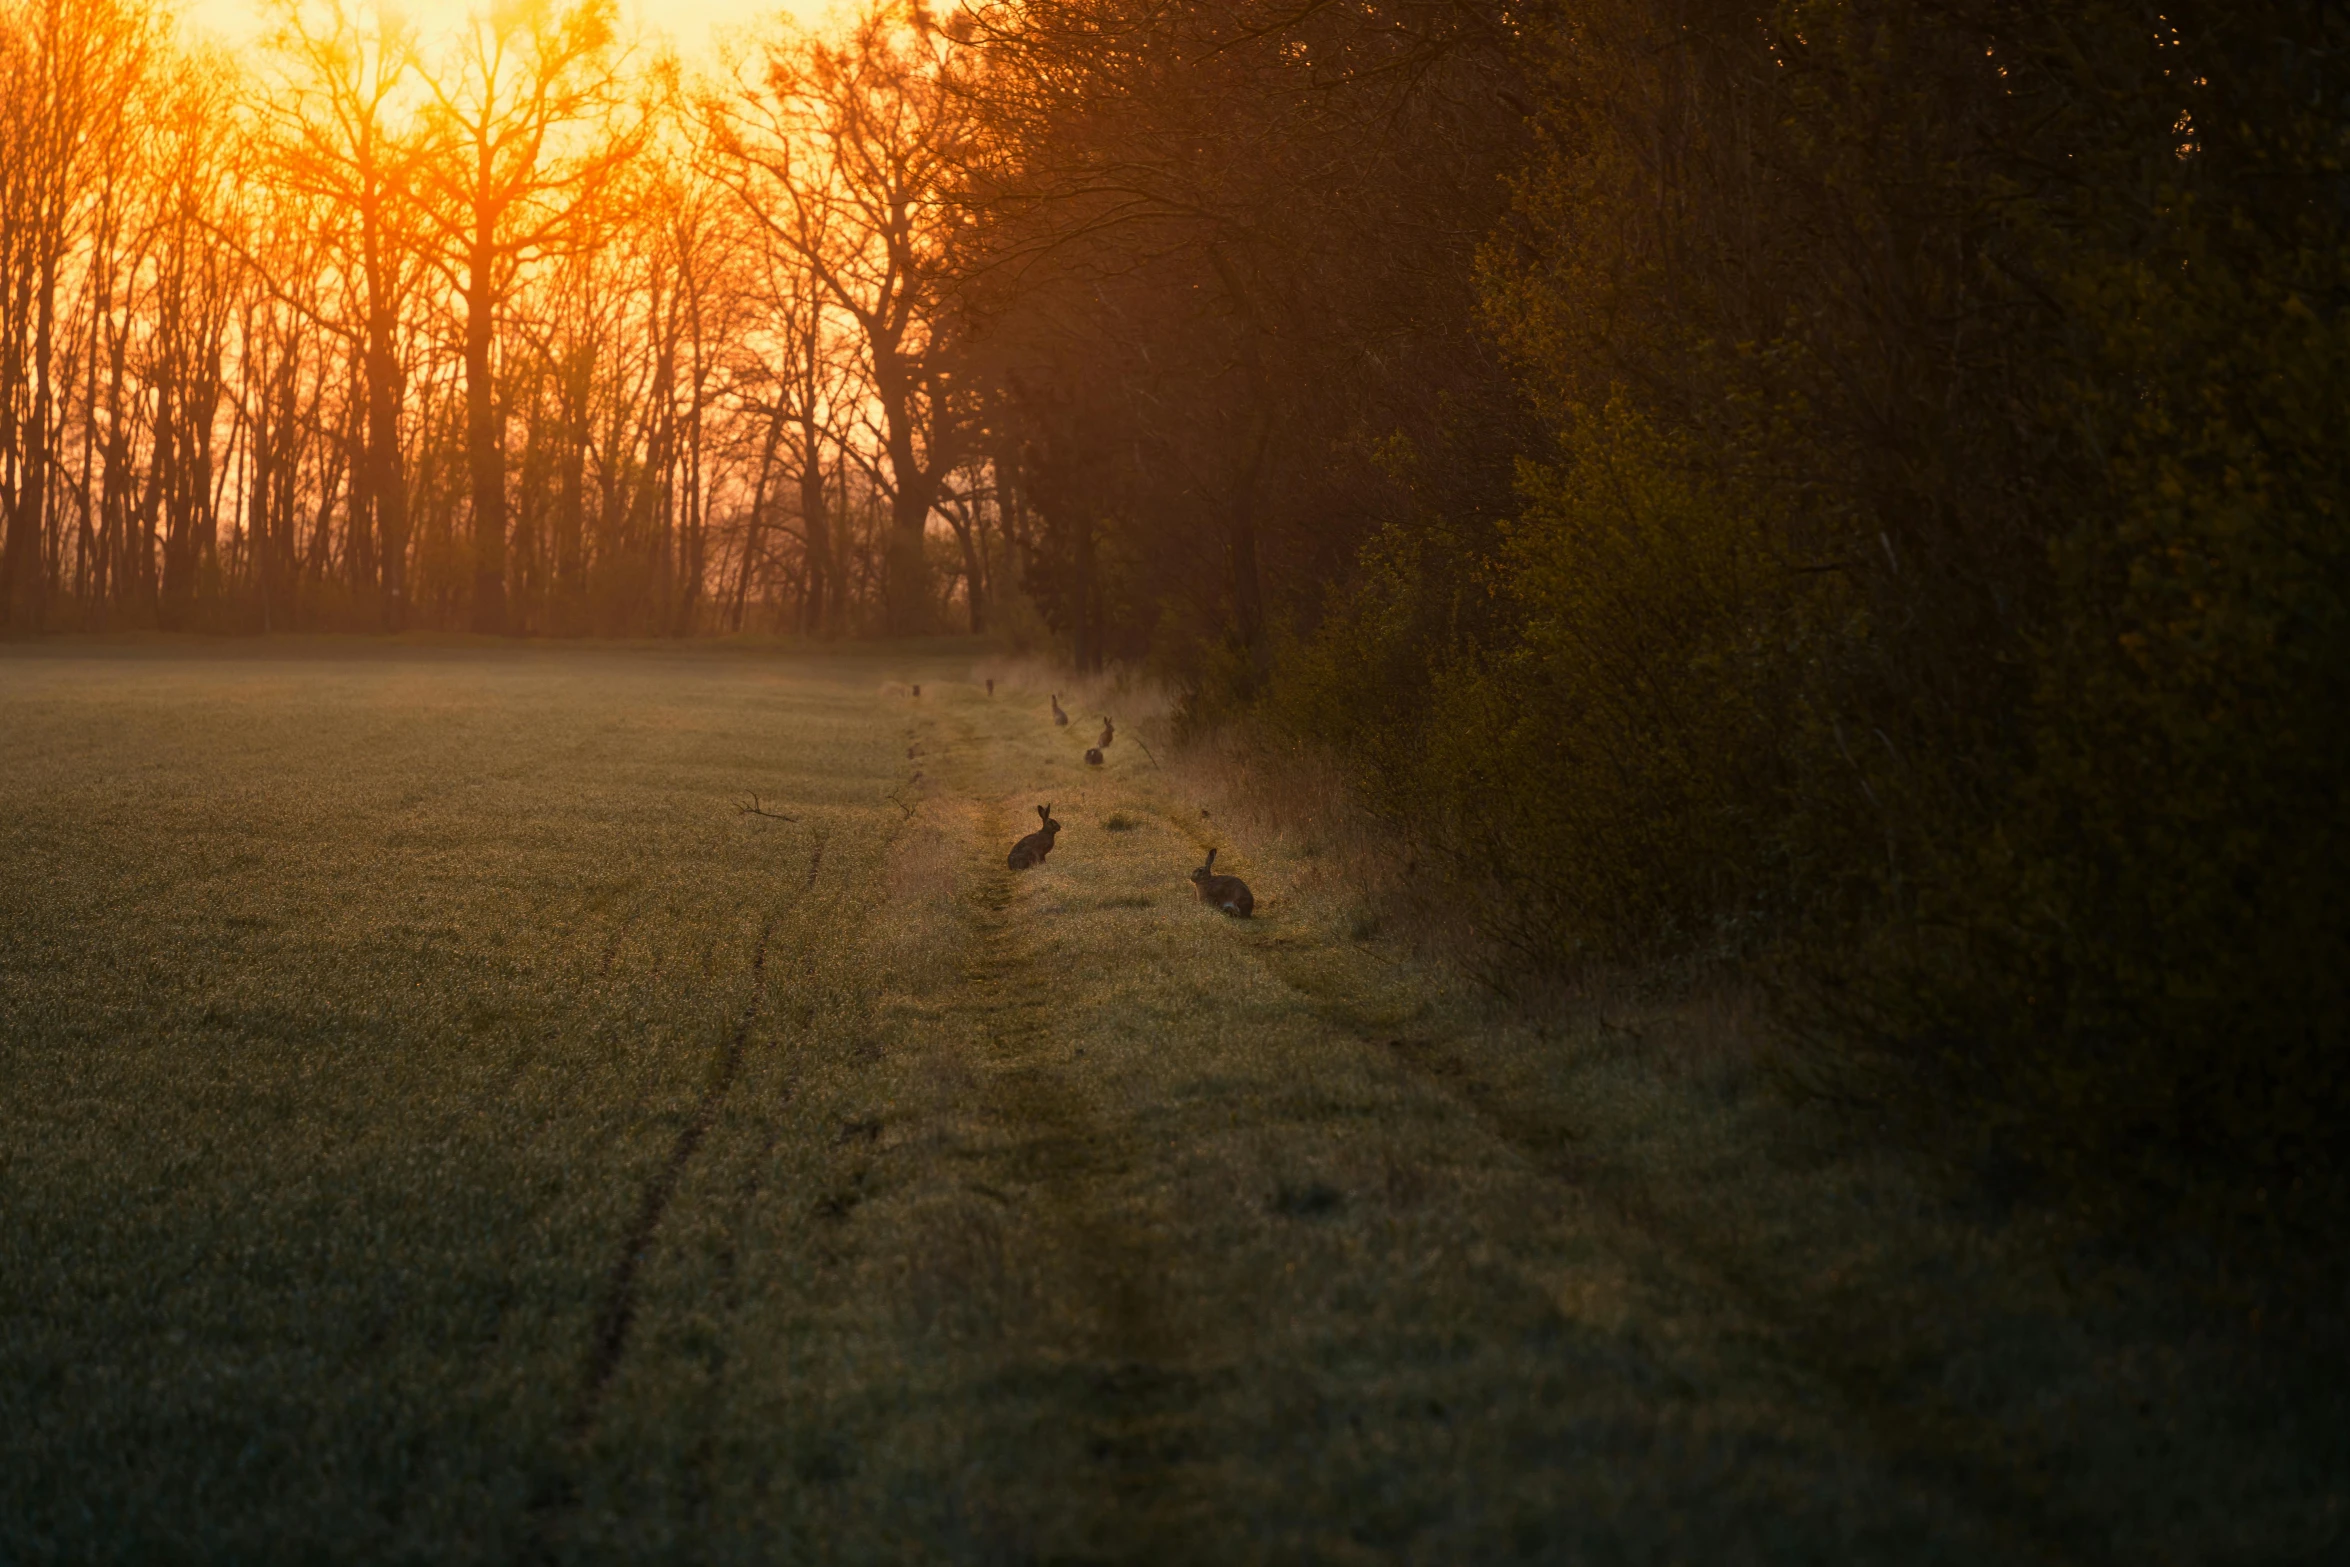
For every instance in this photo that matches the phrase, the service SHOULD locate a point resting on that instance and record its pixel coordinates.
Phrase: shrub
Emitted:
(1931, 587)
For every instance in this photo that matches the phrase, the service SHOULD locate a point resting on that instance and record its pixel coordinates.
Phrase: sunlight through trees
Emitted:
(517, 327)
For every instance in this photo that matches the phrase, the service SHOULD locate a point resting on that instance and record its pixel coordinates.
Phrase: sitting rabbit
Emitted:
(1032, 849)
(1059, 717)
(1228, 893)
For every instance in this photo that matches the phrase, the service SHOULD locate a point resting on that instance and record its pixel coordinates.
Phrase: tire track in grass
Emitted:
(1130, 1392)
(557, 1493)
(1029, 1095)
(698, 1472)
(618, 1316)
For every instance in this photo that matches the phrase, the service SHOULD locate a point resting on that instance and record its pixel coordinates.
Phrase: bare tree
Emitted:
(846, 151)
(801, 382)
(68, 69)
(523, 137)
(335, 115)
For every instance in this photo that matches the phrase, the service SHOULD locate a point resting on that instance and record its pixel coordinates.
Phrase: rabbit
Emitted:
(991, 685)
(1060, 718)
(1093, 756)
(1109, 732)
(1032, 849)
(1228, 893)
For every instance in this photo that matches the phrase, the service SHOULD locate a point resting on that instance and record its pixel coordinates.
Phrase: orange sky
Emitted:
(689, 22)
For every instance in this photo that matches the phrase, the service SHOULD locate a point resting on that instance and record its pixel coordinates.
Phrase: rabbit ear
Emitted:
(1211, 865)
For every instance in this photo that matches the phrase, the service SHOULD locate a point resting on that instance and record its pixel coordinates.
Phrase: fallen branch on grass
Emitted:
(755, 809)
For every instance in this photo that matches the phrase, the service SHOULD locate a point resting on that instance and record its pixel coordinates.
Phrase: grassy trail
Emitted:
(440, 1126)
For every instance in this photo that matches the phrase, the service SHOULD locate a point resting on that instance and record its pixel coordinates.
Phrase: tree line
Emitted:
(1848, 492)
(516, 330)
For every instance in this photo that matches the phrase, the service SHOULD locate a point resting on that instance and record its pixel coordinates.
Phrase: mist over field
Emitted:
(1193, 780)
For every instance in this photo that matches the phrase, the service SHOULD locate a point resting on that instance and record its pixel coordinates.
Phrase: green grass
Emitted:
(440, 1126)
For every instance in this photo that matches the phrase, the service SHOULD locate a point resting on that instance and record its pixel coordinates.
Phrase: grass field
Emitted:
(437, 1125)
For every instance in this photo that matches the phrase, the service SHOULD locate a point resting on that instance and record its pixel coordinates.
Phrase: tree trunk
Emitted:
(758, 518)
(571, 502)
(12, 365)
(485, 451)
(974, 585)
(88, 583)
(116, 483)
(905, 582)
(387, 475)
(1089, 609)
(816, 612)
(20, 558)
(383, 482)
(905, 578)
(175, 593)
(1248, 592)
(258, 542)
(654, 489)
(199, 404)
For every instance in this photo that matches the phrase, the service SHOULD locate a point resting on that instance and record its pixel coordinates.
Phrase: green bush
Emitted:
(2152, 949)
(1930, 588)
(1619, 755)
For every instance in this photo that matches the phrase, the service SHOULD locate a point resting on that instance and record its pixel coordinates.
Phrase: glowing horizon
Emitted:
(692, 25)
